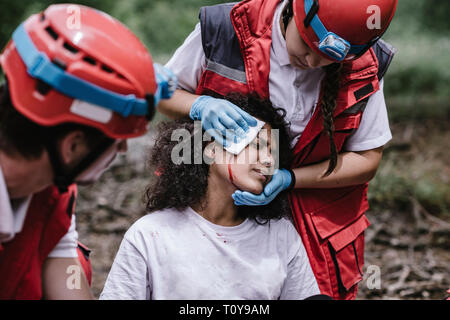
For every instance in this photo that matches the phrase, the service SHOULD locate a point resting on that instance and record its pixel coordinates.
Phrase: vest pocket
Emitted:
(340, 225)
(347, 252)
(347, 121)
(337, 215)
(344, 125)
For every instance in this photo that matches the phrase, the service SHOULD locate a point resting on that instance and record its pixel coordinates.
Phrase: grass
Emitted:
(415, 165)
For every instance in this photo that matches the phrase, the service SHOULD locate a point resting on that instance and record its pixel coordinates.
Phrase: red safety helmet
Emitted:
(359, 22)
(93, 47)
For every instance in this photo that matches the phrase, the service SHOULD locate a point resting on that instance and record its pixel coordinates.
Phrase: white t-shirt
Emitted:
(12, 218)
(171, 254)
(295, 90)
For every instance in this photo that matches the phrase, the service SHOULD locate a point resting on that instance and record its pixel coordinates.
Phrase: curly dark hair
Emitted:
(182, 185)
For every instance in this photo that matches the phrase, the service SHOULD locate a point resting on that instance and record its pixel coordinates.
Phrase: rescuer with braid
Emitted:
(322, 61)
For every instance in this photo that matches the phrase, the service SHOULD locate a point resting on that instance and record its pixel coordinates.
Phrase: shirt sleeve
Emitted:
(189, 61)
(373, 131)
(67, 246)
(300, 282)
(128, 278)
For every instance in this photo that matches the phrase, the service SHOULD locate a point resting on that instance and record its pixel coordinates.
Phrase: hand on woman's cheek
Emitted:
(246, 180)
(250, 170)
(247, 173)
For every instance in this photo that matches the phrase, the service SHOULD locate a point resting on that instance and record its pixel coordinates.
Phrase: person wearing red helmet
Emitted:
(72, 96)
(323, 62)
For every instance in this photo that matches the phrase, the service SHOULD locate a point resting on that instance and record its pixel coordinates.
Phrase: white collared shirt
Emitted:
(12, 218)
(292, 89)
(12, 213)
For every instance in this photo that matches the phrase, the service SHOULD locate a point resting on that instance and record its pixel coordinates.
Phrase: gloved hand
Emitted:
(221, 115)
(167, 82)
(281, 180)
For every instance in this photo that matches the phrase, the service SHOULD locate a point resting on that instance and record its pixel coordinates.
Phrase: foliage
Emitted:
(419, 30)
(435, 15)
(415, 168)
(418, 79)
(163, 25)
(416, 85)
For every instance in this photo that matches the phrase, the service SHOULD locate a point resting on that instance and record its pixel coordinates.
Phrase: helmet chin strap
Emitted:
(62, 179)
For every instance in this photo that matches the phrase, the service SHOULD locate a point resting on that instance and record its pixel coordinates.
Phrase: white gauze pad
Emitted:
(237, 147)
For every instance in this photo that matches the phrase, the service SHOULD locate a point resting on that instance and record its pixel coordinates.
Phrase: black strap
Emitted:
(63, 180)
(293, 180)
(90, 158)
(59, 179)
(364, 91)
(70, 205)
(151, 106)
(311, 13)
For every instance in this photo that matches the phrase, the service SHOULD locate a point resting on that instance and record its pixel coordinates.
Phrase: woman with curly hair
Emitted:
(196, 243)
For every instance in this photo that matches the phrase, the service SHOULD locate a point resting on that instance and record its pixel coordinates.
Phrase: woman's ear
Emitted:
(73, 148)
(209, 153)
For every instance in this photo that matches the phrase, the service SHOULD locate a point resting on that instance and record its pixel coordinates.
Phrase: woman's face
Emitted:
(300, 54)
(251, 169)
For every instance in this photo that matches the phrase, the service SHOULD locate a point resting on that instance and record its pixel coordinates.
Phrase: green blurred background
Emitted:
(417, 91)
(410, 195)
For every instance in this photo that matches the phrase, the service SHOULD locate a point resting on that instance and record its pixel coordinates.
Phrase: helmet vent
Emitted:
(107, 69)
(89, 60)
(42, 18)
(52, 33)
(103, 67)
(42, 87)
(70, 48)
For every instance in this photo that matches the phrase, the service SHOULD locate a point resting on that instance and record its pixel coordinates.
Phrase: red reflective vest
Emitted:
(47, 221)
(236, 41)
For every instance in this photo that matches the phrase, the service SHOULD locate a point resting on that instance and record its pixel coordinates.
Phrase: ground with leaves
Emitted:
(408, 241)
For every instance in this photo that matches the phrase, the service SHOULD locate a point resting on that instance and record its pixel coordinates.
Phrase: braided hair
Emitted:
(330, 89)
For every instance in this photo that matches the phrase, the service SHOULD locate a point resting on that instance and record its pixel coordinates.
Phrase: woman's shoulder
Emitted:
(281, 230)
(282, 224)
(159, 220)
(285, 232)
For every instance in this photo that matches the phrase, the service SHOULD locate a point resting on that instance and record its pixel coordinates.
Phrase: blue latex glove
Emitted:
(167, 82)
(221, 115)
(281, 180)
